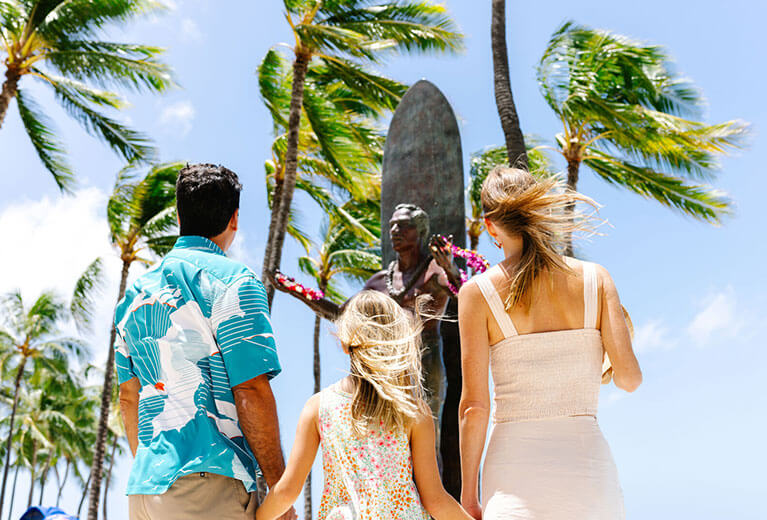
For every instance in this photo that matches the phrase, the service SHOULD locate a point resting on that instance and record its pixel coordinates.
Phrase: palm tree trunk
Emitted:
(32, 474)
(45, 474)
(109, 475)
(573, 165)
(515, 140)
(308, 485)
(281, 207)
(106, 401)
(62, 483)
(13, 490)
(85, 494)
(6, 469)
(10, 88)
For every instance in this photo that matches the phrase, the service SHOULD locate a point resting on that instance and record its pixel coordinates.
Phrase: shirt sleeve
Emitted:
(123, 361)
(244, 331)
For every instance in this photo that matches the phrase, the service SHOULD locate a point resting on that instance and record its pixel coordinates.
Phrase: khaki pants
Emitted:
(199, 495)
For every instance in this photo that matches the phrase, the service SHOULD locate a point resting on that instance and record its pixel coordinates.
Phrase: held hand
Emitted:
(290, 515)
(473, 508)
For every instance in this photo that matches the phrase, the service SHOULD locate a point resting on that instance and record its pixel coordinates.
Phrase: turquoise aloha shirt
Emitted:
(191, 328)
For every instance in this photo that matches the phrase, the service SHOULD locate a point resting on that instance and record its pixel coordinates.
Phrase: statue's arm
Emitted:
(324, 308)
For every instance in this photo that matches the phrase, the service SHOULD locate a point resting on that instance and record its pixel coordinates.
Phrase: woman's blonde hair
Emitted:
(543, 213)
(384, 344)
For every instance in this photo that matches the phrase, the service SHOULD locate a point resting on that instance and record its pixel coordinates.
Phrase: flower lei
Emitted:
(292, 285)
(475, 261)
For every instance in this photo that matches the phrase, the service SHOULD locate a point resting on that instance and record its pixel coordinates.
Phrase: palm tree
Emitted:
(341, 148)
(32, 342)
(58, 42)
(141, 214)
(629, 117)
(482, 161)
(343, 36)
(504, 100)
(341, 254)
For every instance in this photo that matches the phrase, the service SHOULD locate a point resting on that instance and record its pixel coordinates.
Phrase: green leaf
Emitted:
(48, 148)
(700, 202)
(132, 145)
(88, 286)
(110, 64)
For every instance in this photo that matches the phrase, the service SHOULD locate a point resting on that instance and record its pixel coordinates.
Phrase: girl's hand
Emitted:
(473, 508)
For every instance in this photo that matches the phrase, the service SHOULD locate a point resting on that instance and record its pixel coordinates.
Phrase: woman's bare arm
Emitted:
(615, 336)
(474, 409)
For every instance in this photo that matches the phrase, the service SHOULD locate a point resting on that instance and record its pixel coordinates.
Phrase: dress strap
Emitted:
(496, 305)
(590, 296)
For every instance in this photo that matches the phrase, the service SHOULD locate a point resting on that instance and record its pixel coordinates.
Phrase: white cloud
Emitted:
(653, 335)
(190, 31)
(177, 118)
(717, 318)
(53, 241)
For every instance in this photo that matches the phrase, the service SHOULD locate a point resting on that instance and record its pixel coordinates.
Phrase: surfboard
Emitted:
(423, 164)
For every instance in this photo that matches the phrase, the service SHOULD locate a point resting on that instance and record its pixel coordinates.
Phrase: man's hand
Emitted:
(290, 515)
(257, 413)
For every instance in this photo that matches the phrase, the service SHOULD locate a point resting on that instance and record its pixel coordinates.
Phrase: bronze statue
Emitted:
(417, 270)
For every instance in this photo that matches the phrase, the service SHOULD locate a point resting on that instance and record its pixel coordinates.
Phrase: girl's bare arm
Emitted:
(437, 501)
(282, 496)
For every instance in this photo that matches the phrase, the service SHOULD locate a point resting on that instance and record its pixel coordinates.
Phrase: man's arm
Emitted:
(129, 392)
(257, 412)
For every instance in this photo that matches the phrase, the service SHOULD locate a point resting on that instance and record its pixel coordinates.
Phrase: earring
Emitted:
(496, 243)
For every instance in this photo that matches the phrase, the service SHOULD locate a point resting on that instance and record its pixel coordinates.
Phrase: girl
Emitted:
(542, 322)
(375, 429)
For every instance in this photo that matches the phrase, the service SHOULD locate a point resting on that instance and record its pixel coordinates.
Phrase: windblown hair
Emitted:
(543, 213)
(384, 344)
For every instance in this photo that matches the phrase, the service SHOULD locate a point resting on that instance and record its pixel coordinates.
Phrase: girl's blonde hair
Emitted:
(543, 213)
(384, 344)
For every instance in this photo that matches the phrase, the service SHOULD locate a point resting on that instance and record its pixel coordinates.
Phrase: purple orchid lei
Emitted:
(475, 261)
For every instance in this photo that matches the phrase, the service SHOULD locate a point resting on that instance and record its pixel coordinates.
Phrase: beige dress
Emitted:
(547, 458)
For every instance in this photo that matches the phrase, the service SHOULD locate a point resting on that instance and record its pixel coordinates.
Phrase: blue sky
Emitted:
(688, 443)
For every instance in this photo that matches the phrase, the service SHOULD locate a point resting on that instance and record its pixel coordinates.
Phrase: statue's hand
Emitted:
(276, 283)
(441, 251)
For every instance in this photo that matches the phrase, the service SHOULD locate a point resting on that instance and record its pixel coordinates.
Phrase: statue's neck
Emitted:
(409, 259)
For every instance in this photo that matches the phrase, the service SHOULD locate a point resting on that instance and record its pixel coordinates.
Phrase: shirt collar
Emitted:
(199, 243)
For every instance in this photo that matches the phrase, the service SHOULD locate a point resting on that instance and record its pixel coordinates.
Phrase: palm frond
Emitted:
(47, 147)
(698, 201)
(405, 25)
(87, 17)
(132, 145)
(110, 64)
(86, 289)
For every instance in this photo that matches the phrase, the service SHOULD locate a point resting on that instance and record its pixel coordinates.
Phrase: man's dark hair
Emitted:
(206, 197)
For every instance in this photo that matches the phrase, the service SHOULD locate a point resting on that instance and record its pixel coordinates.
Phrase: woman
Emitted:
(543, 323)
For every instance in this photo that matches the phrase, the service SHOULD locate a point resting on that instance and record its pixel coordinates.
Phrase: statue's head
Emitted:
(409, 227)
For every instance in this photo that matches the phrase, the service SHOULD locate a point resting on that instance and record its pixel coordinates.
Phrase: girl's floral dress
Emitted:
(366, 478)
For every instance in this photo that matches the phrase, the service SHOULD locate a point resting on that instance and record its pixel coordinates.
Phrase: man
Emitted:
(194, 355)
(416, 271)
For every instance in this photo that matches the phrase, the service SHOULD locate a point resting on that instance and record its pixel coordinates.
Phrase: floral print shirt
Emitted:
(366, 478)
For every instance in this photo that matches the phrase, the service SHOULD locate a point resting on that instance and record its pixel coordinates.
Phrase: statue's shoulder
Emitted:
(377, 282)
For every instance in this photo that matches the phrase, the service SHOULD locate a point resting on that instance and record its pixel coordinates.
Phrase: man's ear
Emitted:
(234, 222)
